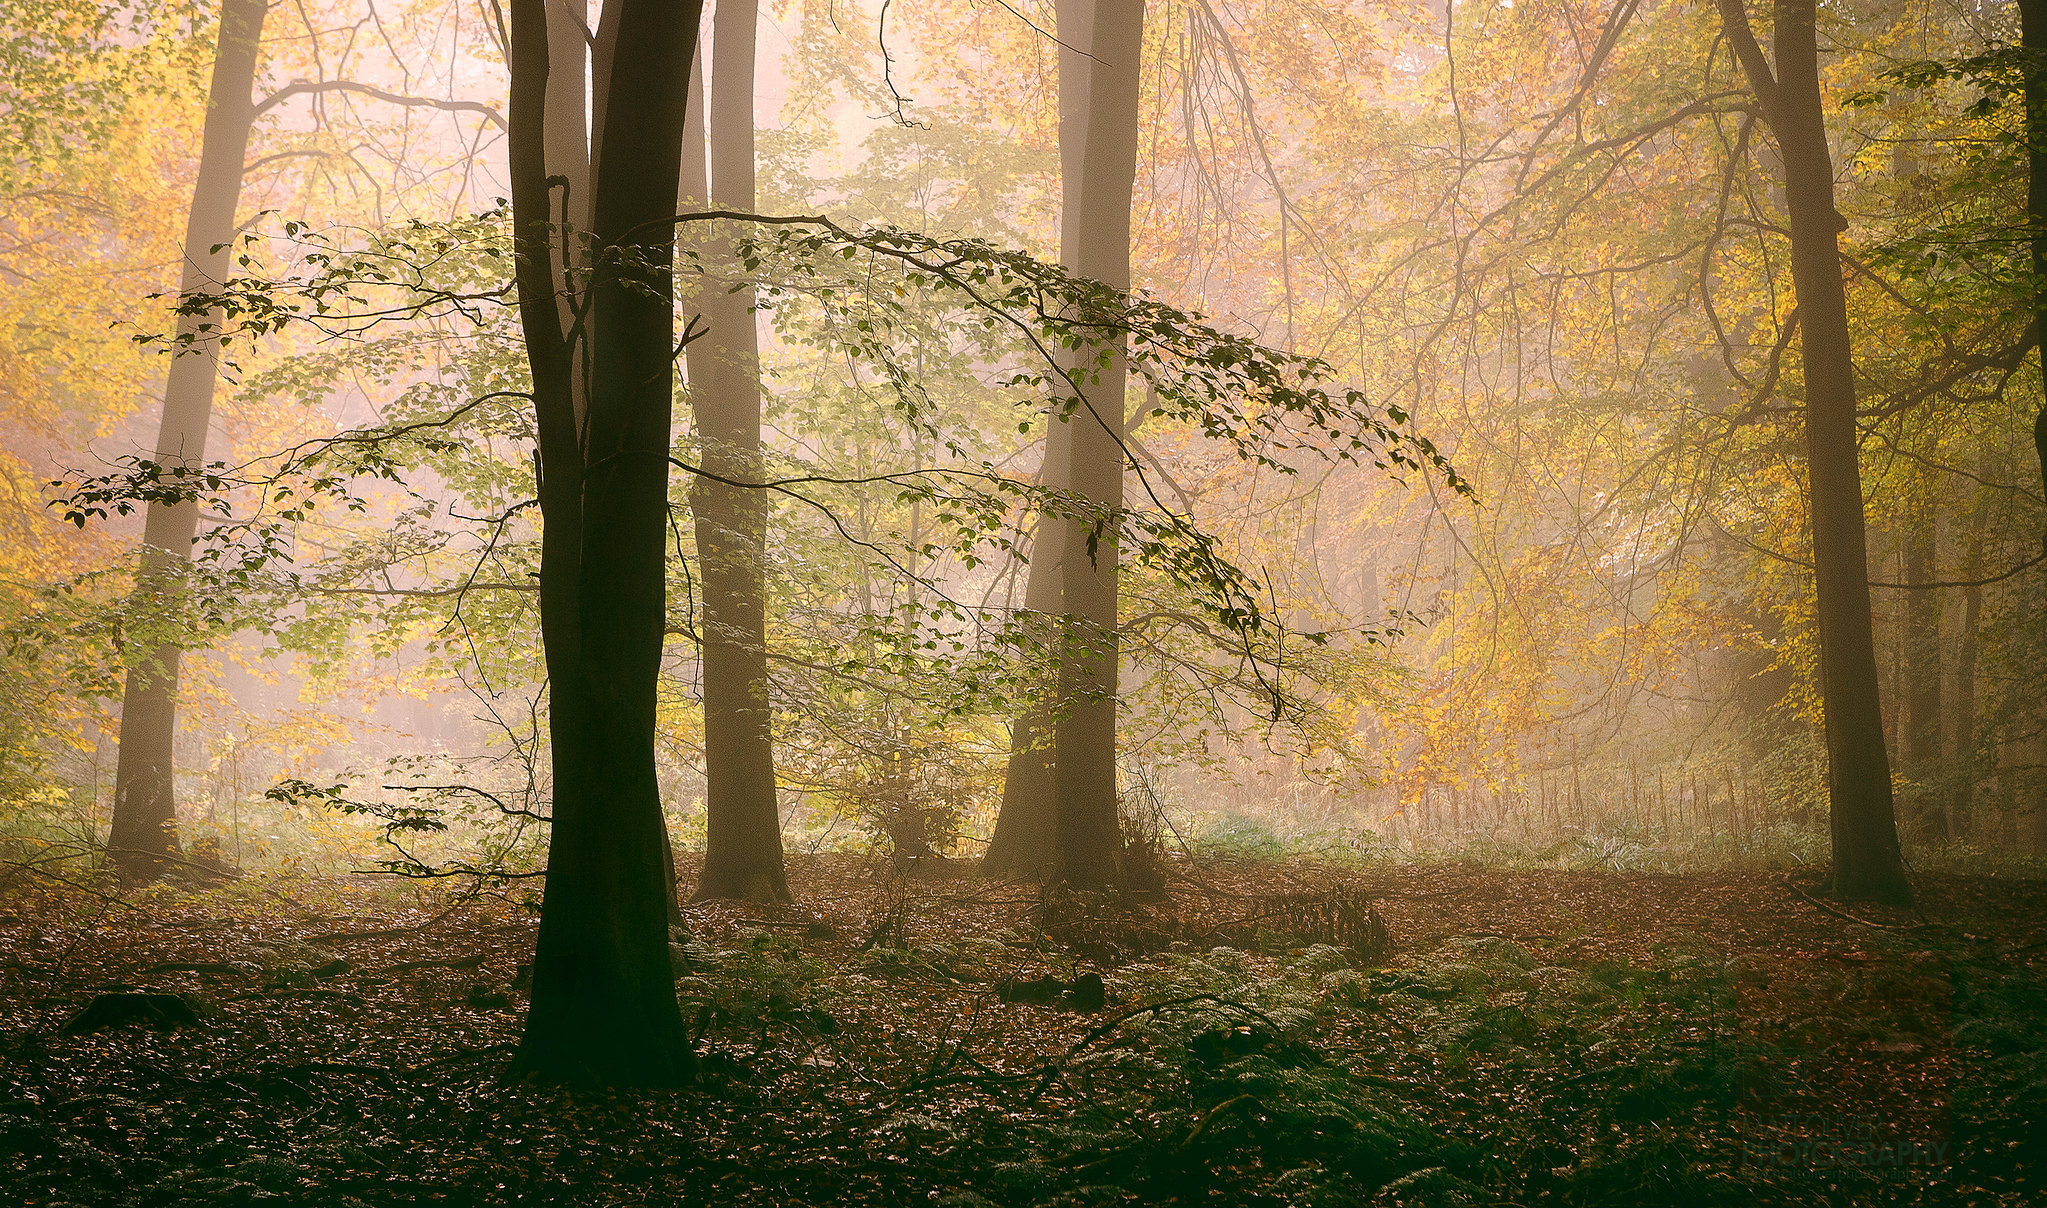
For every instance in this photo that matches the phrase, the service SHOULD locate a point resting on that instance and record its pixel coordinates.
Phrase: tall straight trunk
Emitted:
(2035, 811)
(693, 182)
(1867, 865)
(1084, 776)
(1893, 692)
(567, 136)
(1922, 681)
(743, 843)
(1026, 829)
(144, 827)
(2033, 44)
(1962, 801)
(566, 149)
(604, 1007)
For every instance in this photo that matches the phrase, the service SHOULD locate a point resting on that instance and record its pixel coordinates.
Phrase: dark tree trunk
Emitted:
(2040, 421)
(144, 827)
(604, 1008)
(2033, 46)
(1084, 773)
(568, 155)
(1026, 829)
(743, 843)
(1867, 865)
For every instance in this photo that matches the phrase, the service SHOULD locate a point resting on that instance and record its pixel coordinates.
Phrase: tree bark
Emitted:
(1922, 682)
(1089, 837)
(1867, 865)
(567, 133)
(144, 826)
(2033, 50)
(1962, 801)
(1026, 829)
(743, 843)
(604, 1008)
(1027, 826)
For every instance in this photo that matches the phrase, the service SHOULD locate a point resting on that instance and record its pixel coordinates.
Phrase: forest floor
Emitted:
(1533, 1038)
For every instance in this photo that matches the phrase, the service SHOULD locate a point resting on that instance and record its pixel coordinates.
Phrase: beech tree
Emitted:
(1084, 760)
(2033, 62)
(603, 1002)
(1067, 793)
(1863, 820)
(743, 845)
(1026, 829)
(604, 1006)
(143, 831)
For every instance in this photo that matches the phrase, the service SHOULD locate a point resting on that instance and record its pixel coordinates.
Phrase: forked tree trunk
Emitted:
(1026, 830)
(567, 154)
(144, 827)
(604, 1008)
(1089, 840)
(743, 841)
(1867, 865)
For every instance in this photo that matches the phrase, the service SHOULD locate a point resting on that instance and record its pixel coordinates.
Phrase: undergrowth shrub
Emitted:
(763, 978)
(1217, 1090)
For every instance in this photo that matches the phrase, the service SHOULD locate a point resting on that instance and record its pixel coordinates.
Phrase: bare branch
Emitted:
(309, 87)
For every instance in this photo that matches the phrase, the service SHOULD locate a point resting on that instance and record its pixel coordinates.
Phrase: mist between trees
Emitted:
(519, 442)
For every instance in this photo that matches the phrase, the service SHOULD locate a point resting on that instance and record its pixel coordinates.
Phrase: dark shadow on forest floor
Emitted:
(1555, 1038)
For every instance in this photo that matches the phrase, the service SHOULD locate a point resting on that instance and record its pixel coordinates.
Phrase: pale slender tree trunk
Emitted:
(2036, 801)
(1962, 802)
(1922, 680)
(743, 844)
(1089, 839)
(567, 136)
(1867, 864)
(144, 826)
(604, 1007)
(1026, 829)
